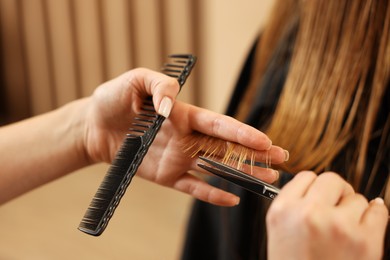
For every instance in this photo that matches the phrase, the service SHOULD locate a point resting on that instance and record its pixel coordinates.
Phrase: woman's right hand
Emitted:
(321, 217)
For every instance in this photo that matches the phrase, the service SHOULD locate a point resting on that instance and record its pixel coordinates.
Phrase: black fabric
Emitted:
(222, 233)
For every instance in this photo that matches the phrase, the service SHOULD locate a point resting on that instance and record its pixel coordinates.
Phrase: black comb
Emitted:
(130, 155)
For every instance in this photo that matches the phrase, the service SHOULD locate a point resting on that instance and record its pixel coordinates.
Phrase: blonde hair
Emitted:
(339, 71)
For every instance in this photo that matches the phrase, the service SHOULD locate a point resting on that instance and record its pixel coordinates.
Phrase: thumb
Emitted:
(375, 218)
(161, 87)
(164, 90)
(165, 106)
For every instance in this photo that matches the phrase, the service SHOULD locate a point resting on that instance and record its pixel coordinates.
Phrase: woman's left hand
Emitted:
(114, 105)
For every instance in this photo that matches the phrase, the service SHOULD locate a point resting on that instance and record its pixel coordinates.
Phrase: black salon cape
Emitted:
(224, 233)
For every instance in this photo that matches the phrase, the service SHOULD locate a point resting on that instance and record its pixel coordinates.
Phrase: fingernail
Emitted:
(270, 145)
(237, 201)
(286, 155)
(379, 201)
(276, 175)
(165, 107)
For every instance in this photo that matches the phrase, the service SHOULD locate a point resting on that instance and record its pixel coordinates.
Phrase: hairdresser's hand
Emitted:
(323, 218)
(115, 103)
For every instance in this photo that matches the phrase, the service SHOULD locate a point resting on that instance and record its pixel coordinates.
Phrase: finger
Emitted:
(163, 88)
(329, 188)
(268, 175)
(297, 187)
(275, 155)
(353, 206)
(201, 144)
(205, 192)
(228, 128)
(375, 219)
(265, 174)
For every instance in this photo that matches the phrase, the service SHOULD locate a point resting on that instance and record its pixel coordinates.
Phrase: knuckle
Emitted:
(173, 82)
(210, 196)
(338, 229)
(276, 213)
(191, 189)
(349, 187)
(309, 217)
(216, 125)
(306, 215)
(362, 199)
(240, 133)
(330, 175)
(167, 84)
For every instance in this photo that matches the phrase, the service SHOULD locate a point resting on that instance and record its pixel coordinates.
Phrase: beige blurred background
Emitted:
(54, 51)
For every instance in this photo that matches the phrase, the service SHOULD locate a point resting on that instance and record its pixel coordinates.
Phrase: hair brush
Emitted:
(131, 153)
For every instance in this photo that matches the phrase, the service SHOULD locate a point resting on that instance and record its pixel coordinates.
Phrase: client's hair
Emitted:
(337, 78)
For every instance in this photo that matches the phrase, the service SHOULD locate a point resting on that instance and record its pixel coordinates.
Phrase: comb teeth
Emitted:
(180, 68)
(143, 122)
(141, 134)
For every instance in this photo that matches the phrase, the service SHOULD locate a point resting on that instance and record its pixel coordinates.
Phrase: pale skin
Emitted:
(323, 218)
(90, 130)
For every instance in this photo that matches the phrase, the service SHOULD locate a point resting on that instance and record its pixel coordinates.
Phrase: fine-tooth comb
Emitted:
(131, 153)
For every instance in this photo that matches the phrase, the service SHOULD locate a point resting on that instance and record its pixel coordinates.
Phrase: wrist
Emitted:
(50, 145)
(74, 128)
